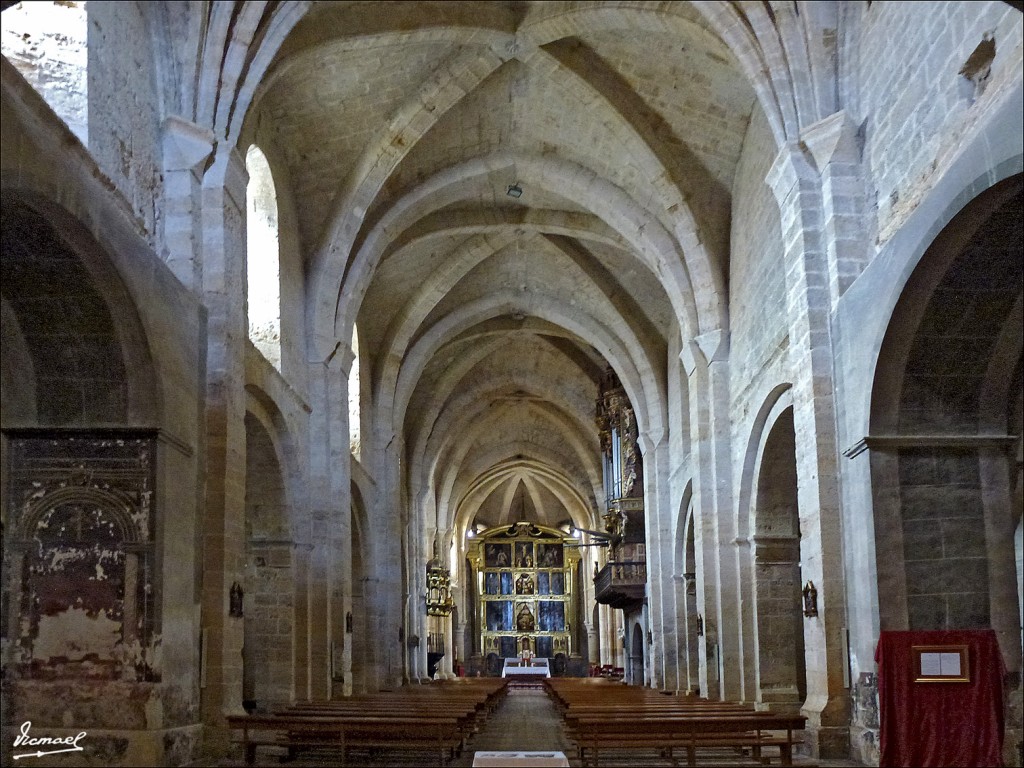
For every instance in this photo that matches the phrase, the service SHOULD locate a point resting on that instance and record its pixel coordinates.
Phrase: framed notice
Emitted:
(941, 664)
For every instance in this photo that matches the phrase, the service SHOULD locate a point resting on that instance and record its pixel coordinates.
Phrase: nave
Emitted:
(348, 347)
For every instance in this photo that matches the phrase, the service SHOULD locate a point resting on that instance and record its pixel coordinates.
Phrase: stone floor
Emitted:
(526, 721)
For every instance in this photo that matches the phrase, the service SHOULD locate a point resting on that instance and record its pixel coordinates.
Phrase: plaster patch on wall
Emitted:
(75, 634)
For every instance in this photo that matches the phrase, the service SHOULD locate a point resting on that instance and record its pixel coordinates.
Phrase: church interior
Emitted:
(359, 348)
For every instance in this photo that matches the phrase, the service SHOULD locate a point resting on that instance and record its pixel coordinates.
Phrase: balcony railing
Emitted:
(621, 584)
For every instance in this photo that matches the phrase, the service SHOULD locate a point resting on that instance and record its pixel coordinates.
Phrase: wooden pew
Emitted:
(752, 731)
(610, 716)
(439, 716)
(343, 732)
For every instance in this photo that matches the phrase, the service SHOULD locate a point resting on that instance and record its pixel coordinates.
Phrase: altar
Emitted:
(519, 667)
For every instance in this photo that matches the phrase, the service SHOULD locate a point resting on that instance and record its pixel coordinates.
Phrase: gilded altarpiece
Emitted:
(526, 583)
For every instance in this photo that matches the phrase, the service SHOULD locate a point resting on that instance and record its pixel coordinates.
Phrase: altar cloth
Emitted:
(520, 759)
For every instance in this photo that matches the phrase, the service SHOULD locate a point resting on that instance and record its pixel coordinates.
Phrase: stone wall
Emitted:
(158, 335)
(915, 104)
(47, 44)
(757, 280)
(944, 539)
(124, 108)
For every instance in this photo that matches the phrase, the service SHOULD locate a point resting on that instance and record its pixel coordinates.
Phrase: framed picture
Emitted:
(497, 556)
(941, 664)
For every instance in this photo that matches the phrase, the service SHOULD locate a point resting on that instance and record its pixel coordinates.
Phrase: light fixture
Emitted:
(514, 190)
(573, 530)
(603, 539)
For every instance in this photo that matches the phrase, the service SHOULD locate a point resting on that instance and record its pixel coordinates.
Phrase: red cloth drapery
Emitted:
(940, 724)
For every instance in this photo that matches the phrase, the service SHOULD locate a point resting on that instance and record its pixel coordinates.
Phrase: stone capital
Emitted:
(832, 139)
(186, 146)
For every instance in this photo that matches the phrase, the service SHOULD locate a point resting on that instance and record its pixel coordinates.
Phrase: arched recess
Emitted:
(79, 407)
(686, 559)
(84, 358)
(942, 410)
(636, 655)
(268, 653)
(781, 672)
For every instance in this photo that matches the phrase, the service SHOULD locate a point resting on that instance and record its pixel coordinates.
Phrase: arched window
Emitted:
(353, 397)
(46, 43)
(263, 255)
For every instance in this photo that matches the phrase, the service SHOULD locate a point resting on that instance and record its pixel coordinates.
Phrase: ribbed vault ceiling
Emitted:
(486, 320)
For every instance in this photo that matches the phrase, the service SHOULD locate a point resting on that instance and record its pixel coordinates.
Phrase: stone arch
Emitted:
(697, 311)
(555, 482)
(779, 661)
(637, 376)
(777, 400)
(941, 480)
(469, 415)
(686, 575)
(269, 631)
(71, 317)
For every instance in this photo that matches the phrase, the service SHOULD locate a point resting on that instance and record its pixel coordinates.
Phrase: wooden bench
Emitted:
(342, 732)
(602, 715)
(627, 729)
(470, 714)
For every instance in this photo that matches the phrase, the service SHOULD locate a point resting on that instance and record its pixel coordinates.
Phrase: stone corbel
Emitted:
(832, 140)
(186, 146)
(702, 350)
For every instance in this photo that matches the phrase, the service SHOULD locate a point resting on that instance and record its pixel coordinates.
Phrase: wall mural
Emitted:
(525, 582)
(78, 558)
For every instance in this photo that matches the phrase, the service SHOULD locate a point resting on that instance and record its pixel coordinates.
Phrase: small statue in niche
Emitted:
(236, 597)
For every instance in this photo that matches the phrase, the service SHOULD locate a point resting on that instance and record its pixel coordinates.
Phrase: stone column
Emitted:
(383, 555)
(705, 359)
(223, 287)
(459, 642)
(690, 640)
(593, 643)
(186, 152)
(797, 189)
(663, 666)
(329, 577)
